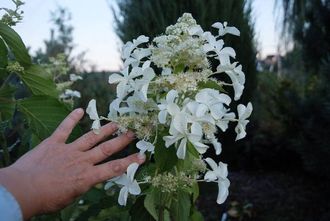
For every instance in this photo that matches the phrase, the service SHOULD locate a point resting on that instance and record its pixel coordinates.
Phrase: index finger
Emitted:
(64, 130)
(90, 139)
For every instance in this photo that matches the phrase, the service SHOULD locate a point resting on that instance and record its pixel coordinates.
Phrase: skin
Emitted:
(54, 173)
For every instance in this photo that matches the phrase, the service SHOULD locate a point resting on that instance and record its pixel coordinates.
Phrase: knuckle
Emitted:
(106, 150)
(62, 131)
(90, 139)
(113, 126)
(117, 167)
(82, 185)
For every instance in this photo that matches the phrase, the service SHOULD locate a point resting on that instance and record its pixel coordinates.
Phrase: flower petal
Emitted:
(91, 110)
(115, 78)
(201, 110)
(96, 125)
(144, 146)
(181, 152)
(162, 116)
(223, 190)
(171, 95)
(180, 122)
(123, 194)
(217, 146)
(131, 169)
(134, 188)
(212, 163)
(210, 176)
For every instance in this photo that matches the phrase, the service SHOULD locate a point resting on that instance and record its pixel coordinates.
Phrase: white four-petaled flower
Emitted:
(224, 29)
(144, 146)
(218, 173)
(179, 131)
(243, 113)
(213, 101)
(168, 106)
(128, 183)
(93, 115)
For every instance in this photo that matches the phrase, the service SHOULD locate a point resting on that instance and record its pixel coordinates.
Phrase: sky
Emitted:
(94, 29)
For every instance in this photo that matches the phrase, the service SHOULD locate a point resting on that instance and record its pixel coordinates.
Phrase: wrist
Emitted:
(19, 185)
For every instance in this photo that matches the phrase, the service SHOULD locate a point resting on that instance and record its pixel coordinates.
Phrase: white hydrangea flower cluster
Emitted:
(183, 104)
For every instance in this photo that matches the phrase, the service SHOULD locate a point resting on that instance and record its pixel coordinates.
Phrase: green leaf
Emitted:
(211, 84)
(150, 202)
(195, 191)
(165, 158)
(179, 68)
(196, 216)
(16, 45)
(192, 150)
(67, 212)
(44, 115)
(180, 207)
(38, 81)
(191, 155)
(7, 102)
(94, 195)
(3, 58)
(138, 212)
(35, 140)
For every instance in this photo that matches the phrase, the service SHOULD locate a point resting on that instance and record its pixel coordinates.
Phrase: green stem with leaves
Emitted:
(6, 80)
(6, 155)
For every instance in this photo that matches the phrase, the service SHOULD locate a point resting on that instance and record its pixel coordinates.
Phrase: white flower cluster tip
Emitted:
(170, 79)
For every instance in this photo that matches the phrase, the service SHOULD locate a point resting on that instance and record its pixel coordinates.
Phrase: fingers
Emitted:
(106, 149)
(90, 139)
(114, 168)
(64, 130)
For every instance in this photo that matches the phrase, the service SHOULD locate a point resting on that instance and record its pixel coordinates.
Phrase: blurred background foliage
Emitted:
(281, 170)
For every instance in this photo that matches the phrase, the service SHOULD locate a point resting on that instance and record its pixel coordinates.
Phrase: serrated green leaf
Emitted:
(44, 115)
(3, 58)
(180, 207)
(138, 212)
(195, 191)
(196, 216)
(4, 125)
(192, 150)
(68, 212)
(150, 203)
(38, 81)
(211, 84)
(7, 103)
(165, 158)
(16, 45)
(35, 140)
(191, 155)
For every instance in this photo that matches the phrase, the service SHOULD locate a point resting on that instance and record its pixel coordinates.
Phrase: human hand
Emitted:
(54, 173)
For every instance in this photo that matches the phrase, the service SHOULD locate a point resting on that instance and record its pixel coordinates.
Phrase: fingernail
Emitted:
(79, 110)
(141, 157)
(130, 134)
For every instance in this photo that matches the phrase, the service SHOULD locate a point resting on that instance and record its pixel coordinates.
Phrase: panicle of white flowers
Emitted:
(170, 183)
(57, 68)
(144, 126)
(182, 82)
(14, 67)
(179, 47)
(197, 167)
(168, 92)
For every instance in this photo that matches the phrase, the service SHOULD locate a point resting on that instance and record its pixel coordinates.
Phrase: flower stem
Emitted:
(161, 214)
